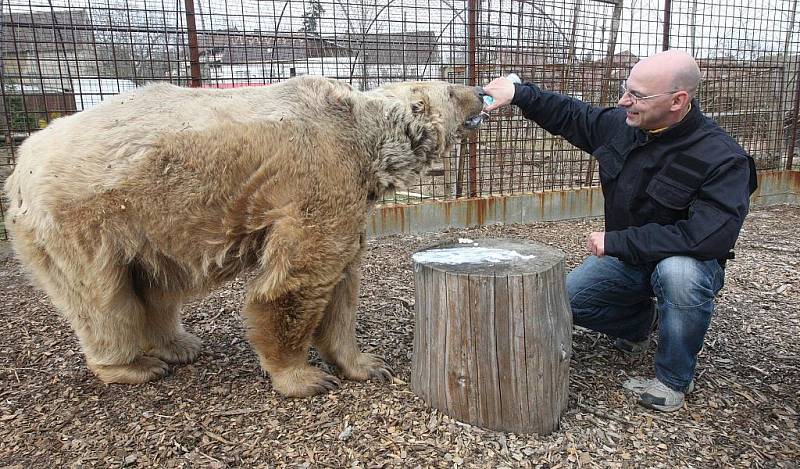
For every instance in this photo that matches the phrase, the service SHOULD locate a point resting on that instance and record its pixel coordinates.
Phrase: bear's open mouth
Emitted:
(475, 121)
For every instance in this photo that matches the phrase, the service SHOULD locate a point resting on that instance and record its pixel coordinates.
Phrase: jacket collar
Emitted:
(690, 122)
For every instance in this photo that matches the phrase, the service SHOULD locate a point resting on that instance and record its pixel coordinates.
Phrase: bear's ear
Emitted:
(424, 131)
(451, 91)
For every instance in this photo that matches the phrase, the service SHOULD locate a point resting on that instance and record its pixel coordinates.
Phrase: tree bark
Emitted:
(493, 333)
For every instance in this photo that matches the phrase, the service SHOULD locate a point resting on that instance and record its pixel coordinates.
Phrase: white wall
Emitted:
(91, 91)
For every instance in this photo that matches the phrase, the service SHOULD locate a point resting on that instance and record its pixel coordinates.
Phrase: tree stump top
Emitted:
(508, 257)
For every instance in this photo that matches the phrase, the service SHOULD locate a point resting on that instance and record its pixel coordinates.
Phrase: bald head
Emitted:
(659, 90)
(671, 69)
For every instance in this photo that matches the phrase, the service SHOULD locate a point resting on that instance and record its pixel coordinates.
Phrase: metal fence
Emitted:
(64, 56)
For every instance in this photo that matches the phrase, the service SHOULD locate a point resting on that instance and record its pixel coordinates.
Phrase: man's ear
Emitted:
(680, 100)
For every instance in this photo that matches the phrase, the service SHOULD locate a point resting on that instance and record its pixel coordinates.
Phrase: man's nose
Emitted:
(625, 100)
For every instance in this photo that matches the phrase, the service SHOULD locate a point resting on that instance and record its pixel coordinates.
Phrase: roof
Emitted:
(396, 48)
(45, 31)
(625, 59)
(237, 47)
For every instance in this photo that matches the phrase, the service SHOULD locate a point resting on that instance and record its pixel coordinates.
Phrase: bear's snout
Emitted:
(471, 101)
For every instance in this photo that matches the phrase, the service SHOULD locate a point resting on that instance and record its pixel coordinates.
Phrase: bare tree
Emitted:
(136, 44)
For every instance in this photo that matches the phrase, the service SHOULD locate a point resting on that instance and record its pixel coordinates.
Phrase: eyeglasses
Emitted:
(636, 97)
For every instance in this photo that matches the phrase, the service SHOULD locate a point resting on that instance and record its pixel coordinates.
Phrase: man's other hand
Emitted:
(501, 90)
(596, 243)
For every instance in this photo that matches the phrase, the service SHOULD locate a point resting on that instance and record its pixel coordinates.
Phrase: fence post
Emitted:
(667, 24)
(194, 50)
(605, 82)
(8, 133)
(795, 118)
(472, 77)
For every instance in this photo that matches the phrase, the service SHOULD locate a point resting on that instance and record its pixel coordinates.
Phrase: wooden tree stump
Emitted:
(493, 333)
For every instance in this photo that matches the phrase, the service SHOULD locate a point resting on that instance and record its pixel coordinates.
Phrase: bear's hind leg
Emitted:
(93, 291)
(335, 338)
(111, 332)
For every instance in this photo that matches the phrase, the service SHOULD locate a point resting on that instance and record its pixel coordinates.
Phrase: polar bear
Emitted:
(125, 211)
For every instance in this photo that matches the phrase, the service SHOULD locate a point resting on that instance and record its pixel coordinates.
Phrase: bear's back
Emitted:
(98, 147)
(139, 117)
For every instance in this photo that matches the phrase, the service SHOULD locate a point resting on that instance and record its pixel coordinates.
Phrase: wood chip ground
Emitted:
(222, 412)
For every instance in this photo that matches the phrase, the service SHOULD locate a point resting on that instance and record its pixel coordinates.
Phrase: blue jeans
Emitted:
(610, 296)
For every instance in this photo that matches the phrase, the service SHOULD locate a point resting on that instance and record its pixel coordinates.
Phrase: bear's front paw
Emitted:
(184, 348)
(303, 382)
(140, 370)
(367, 366)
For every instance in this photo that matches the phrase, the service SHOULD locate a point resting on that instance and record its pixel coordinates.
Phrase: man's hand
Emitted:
(596, 243)
(502, 90)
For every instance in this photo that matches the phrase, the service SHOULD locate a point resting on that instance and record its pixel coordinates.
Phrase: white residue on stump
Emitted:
(468, 255)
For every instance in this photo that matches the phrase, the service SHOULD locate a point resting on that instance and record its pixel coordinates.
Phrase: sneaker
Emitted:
(658, 396)
(634, 348)
(629, 347)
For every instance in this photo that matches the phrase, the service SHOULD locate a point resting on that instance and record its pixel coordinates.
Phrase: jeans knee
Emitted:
(685, 281)
(573, 284)
(582, 282)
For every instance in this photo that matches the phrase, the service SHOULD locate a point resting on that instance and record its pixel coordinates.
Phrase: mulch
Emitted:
(222, 412)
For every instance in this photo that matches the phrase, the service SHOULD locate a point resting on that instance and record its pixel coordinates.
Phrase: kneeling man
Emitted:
(676, 191)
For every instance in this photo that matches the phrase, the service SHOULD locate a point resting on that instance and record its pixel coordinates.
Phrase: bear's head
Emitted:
(426, 119)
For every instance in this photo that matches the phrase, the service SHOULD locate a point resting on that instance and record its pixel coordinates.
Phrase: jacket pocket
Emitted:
(669, 193)
(610, 162)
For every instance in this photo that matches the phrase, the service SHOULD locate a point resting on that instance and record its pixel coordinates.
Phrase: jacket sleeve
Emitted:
(709, 232)
(581, 124)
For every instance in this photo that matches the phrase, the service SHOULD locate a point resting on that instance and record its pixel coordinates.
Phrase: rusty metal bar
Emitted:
(7, 132)
(774, 187)
(194, 50)
(796, 114)
(606, 78)
(667, 24)
(472, 75)
(796, 118)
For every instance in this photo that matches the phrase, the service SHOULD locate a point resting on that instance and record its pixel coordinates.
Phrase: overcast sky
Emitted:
(709, 27)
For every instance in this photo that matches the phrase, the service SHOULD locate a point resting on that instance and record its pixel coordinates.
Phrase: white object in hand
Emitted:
(512, 77)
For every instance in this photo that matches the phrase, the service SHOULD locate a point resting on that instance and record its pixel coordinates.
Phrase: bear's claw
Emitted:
(368, 366)
(184, 348)
(384, 374)
(303, 382)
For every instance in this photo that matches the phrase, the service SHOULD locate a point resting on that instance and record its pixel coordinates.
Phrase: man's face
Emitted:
(651, 113)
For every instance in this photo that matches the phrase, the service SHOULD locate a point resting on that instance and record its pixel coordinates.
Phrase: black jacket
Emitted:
(683, 191)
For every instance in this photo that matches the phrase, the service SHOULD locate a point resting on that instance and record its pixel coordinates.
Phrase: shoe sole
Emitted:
(662, 408)
(631, 353)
